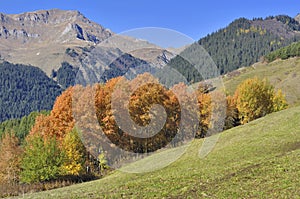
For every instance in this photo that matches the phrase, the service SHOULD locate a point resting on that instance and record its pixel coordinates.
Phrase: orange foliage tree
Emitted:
(205, 108)
(60, 121)
(10, 157)
(139, 104)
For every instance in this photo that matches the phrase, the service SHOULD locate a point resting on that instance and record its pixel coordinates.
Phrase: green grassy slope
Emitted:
(283, 74)
(257, 160)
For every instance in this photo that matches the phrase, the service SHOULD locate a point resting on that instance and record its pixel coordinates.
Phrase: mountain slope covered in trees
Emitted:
(243, 42)
(25, 89)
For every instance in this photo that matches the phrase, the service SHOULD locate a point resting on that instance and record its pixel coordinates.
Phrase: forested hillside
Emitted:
(245, 41)
(242, 43)
(65, 75)
(25, 89)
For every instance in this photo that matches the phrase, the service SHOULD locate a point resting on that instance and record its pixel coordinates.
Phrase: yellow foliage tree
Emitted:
(279, 101)
(255, 98)
(74, 151)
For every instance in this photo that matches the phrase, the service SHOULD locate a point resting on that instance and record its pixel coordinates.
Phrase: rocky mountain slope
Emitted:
(46, 38)
(70, 49)
(41, 38)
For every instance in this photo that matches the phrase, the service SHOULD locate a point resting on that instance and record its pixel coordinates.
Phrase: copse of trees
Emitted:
(139, 106)
(53, 149)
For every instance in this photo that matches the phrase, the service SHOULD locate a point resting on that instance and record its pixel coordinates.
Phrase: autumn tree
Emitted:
(140, 108)
(42, 126)
(74, 151)
(62, 116)
(10, 156)
(102, 162)
(255, 98)
(232, 115)
(103, 111)
(142, 93)
(205, 108)
(189, 111)
(279, 101)
(60, 121)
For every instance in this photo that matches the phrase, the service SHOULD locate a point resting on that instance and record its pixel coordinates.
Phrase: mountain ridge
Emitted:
(72, 20)
(44, 38)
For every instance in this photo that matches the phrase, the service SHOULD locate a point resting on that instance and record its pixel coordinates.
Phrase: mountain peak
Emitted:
(297, 18)
(48, 16)
(41, 37)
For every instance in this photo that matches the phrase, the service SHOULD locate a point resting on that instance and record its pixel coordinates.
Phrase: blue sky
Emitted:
(190, 17)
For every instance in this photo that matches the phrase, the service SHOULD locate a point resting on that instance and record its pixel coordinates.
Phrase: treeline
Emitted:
(292, 50)
(291, 23)
(25, 89)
